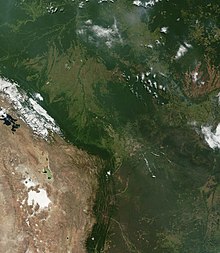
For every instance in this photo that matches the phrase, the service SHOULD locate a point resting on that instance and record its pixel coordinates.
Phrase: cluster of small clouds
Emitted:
(82, 3)
(145, 4)
(109, 35)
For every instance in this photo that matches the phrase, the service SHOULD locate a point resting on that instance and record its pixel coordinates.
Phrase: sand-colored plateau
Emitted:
(47, 190)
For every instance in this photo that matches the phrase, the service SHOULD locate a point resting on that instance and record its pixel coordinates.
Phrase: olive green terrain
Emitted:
(90, 86)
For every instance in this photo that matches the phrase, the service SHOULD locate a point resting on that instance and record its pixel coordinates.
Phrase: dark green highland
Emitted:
(111, 77)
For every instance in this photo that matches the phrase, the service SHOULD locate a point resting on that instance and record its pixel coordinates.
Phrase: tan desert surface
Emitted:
(47, 190)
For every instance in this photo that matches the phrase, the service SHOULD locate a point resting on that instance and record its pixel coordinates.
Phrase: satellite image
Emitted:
(110, 126)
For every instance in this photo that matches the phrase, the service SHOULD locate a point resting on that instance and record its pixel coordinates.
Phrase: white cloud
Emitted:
(182, 50)
(195, 76)
(103, 32)
(107, 34)
(38, 96)
(164, 29)
(212, 138)
(146, 4)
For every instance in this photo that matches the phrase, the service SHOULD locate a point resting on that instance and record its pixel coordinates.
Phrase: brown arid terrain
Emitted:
(202, 80)
(47, 191)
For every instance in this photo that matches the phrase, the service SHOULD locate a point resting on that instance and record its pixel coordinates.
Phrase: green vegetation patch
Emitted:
(48, 173)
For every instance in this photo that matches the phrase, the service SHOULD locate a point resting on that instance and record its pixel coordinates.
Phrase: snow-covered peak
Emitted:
(29, 110)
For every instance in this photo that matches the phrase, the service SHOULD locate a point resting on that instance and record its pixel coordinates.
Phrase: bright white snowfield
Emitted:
(30, 111)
